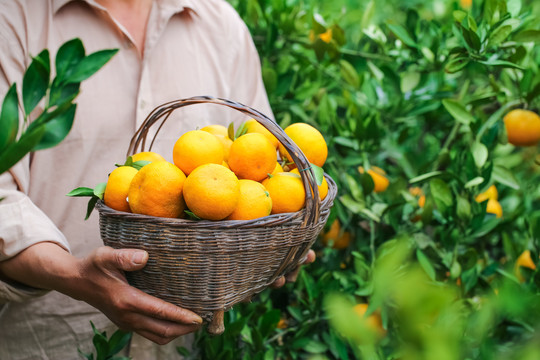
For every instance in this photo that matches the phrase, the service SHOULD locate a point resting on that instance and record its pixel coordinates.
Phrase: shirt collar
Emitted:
(176, 5)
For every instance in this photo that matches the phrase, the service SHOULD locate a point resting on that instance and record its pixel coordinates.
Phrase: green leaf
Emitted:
(441, 194)
(230, 131)
(458, 111)
(61, 93)
(463, 208)
(242, 129)
(459, 15)
(36, 81)
(118, 341)
(68, 56)
(90, 64)
(17, 150)
(139, 164)
(319, 174)
(91, 205)
(349, 73)
(501, 63)
(426, 264)
(57, 129)
(99, 190)
(480, 154)
(402, 34)
(528, 35)
(192, 215)
(474, 182)
(499, 35)
(9, 118)
(426, 176)
(81, 191)
(504, 176)
(456, 64)
(409, 81)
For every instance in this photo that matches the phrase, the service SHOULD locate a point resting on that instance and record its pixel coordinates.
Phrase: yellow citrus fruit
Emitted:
(212, 192)
(254, 203)
(309, 140)
(379, 178)
(323, 188)
(253, 126)
(224, 163)
(524, 260)
(116, 191)
(252, 157)
(373, 321)
(147, 156)
(339, 240)
(494, 207)
(196, 148)
(522, 127)
(287, 192)
(216, 130)
(490, 193)
(156, 190)
(227, 143)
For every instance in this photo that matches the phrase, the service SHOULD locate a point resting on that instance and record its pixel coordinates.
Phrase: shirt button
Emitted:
(142, 105)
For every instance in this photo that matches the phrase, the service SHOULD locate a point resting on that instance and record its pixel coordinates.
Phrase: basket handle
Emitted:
(162, 112)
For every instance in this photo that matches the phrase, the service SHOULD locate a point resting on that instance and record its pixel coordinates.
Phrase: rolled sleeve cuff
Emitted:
(23, 224)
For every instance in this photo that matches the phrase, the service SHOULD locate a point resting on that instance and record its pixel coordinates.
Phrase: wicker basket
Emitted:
(209, 266)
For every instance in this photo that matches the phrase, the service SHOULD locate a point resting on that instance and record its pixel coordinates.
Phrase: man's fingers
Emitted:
(162, 332)
(280, 281)
(123, 259)
(310, 257)
(156, 308)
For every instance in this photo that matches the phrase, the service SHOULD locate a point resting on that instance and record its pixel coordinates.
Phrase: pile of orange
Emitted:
(214, 177)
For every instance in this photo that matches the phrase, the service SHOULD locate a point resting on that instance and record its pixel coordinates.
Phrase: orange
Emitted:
(156, 190)
(339, 240)
(287, 192)
(416, 191)
(522, 127)
(373, 321)
(494, 207)
(379, 178)
(524, 260)
(116, 191)
(466, 4)
(326, 36)
(252, 157)
(253, 126)
(196, 148)
(255, 201)
(323, 188)
(147, 156)
(227, 143)
(490, 193)
(277, 169)
(216, 130)
(212, 192)
(309, 140)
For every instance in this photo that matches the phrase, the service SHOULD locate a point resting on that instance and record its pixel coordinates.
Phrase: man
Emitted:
(168, 49)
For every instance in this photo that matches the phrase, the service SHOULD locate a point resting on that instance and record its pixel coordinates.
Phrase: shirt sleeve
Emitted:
(22, 223)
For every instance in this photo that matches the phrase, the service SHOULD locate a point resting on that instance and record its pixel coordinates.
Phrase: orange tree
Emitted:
(418, 89)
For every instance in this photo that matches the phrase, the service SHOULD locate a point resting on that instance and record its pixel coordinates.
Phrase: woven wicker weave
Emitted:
(209, 266)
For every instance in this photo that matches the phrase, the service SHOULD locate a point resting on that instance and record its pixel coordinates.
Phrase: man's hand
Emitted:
(99, 280)
(291, 277)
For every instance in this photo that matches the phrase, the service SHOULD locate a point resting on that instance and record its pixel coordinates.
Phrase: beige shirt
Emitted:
(193, 47)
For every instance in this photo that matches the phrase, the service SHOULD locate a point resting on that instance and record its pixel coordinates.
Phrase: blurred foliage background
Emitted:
(414, 93)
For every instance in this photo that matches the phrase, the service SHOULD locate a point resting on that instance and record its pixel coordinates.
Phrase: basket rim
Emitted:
(273, 219)
(160, 114)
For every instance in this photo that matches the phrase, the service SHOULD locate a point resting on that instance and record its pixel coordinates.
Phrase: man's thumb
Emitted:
(130, 259)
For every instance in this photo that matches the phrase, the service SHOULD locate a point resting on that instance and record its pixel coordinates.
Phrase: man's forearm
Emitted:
(43, 265)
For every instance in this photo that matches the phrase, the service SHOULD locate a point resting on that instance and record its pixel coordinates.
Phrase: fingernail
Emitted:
(197, 321)
(139, 257)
